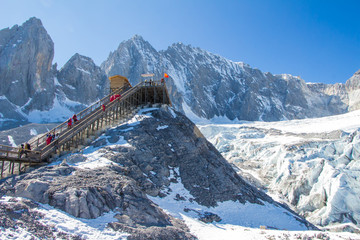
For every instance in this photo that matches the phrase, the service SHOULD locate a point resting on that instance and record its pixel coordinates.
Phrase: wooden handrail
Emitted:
(87, 120)
(63, 126)
(86, 117)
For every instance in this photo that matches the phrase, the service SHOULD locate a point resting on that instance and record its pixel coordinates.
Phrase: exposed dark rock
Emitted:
(206, 217)
(209, 217)
(155, 233)
(203, 171)
(90, 193)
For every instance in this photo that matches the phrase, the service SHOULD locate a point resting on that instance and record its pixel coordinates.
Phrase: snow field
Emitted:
(232, 232)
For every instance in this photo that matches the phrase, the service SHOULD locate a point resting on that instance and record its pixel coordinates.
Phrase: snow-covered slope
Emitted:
(99, 191)
(153, 174)
(60, 225)
(313, 164)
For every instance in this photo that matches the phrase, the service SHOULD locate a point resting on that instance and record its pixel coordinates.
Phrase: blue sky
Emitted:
(316, 39)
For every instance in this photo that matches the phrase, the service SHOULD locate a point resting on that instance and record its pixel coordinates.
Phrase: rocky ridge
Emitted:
(349, 93)
(211, 86)
(129, 165)
(201, 84)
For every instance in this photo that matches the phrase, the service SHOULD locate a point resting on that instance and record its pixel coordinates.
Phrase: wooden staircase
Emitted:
(90, 121)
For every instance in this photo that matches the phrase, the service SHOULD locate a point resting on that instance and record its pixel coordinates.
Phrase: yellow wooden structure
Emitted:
(118, 82)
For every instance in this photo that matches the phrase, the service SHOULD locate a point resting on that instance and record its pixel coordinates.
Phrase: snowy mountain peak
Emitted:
(76, 60)
(82, 80)
(133, 53)
(287, 76)
(139, 43)
(243, 65)
(188, 49)
(202, 84)
(209, 86)
(28, 84)
(137, 38)
(180, 45)
(33, 21)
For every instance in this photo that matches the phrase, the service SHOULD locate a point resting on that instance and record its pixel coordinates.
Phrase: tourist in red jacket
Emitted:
(48, 139)
(69, 123)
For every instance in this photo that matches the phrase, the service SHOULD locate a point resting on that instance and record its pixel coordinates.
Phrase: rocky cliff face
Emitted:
(211, 86)
(132, 58)
(25, 64)
(82, 81)
(353, 87)
(133, 166)
(26, 54)
(348, 93)
(32, 89)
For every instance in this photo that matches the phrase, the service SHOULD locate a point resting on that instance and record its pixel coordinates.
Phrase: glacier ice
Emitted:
(311, 164)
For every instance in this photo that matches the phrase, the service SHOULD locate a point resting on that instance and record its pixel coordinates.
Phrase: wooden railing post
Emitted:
(154, 94)
(2, 168)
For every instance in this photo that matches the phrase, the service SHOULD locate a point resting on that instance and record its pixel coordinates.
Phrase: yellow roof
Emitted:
(118, 81)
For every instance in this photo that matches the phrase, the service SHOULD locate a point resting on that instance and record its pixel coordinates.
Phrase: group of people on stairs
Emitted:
(71, 120)
(24, 149)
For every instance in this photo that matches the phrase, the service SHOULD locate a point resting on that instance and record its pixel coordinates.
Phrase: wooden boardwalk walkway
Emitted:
(90, 121)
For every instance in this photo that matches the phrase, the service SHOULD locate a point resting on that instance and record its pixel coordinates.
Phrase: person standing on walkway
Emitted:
(21, 150)
(48, 139)
(27, 149)
(69, 123)
(75, 118)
